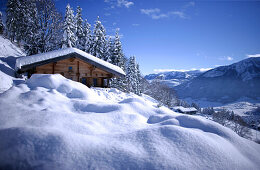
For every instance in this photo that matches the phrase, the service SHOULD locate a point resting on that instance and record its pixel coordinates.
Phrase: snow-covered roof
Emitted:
(183, 109)
(28, 61)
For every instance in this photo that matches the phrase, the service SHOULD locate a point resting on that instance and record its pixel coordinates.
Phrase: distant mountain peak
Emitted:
(175, 77)
(225, 83)
(246, 70)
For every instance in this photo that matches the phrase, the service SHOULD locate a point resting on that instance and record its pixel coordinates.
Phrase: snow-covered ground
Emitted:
(8, 54)
(240, 108)
(8, 48)
(50, 122)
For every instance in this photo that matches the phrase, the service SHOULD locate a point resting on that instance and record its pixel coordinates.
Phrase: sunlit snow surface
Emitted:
(51, 122)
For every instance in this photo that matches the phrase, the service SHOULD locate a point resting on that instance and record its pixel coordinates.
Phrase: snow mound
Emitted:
(8, 55)
(9, 49)
(50, 122)
(62, 85)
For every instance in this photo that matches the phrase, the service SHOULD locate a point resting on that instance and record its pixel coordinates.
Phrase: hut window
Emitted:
(70, 69)
(84, 80)
(95, 82)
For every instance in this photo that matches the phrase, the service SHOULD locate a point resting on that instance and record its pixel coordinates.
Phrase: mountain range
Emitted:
(223, 84)
(174, 78)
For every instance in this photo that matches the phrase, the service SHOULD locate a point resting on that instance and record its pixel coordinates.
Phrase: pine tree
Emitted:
(1, 24)
(13, 19)
(80, 30)
(87, 37)
(98, 40)
(131, 75)
(31, 34)
(117, 58)
(139, 80)
(49, 26)
(109, 50)
(69, 37)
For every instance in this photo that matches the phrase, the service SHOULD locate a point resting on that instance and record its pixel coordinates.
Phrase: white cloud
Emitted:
(189, 4)
(155, 13)
(228, 58)
(178, 13)
(125, 3)
(119, 3)
(253, 55)
(150, 11)
(181, 70)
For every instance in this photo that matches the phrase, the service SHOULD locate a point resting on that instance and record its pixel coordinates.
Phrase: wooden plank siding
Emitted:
(77, 70)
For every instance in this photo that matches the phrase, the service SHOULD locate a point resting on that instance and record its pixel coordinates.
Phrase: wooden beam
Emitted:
(92, 68)
(78, 70)
(53, 68)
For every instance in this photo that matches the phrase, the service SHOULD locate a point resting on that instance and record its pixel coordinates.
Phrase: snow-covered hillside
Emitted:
(8, 54)
(50, 122)
(245, 70)
(225, 84)
(174, 78)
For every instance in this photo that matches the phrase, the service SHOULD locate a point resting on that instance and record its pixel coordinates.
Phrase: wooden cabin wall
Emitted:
(79, 70)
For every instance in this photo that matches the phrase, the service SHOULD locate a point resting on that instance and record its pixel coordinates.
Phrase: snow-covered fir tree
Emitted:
(117, 57)
(1, 24)
(98, 40)
(80, 30)
(139, 80)
(109, 49)
(49, 27)
(69, 37)
(87, 37)
(31, 31)
(12, 18)
(132, 76)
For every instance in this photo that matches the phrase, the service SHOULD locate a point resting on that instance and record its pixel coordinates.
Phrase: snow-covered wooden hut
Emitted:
(189, 110)
(73, 64)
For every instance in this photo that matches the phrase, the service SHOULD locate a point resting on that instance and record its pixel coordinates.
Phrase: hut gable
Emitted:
(28, 62)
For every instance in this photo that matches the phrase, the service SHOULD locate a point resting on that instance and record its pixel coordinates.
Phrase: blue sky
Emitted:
(167, 34)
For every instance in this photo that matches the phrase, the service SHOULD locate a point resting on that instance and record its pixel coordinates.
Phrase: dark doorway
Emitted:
(84, 80)
(95, 82)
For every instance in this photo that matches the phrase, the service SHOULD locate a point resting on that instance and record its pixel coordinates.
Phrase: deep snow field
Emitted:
(50, 122)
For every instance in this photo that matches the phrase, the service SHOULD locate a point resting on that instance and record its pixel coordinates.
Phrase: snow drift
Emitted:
(50, 122)
(8, 55)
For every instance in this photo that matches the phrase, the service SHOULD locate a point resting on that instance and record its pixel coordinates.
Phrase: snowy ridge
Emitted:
(246, 69)
(225, 84)
(57, 123)
(61, 52)
(174, 78)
